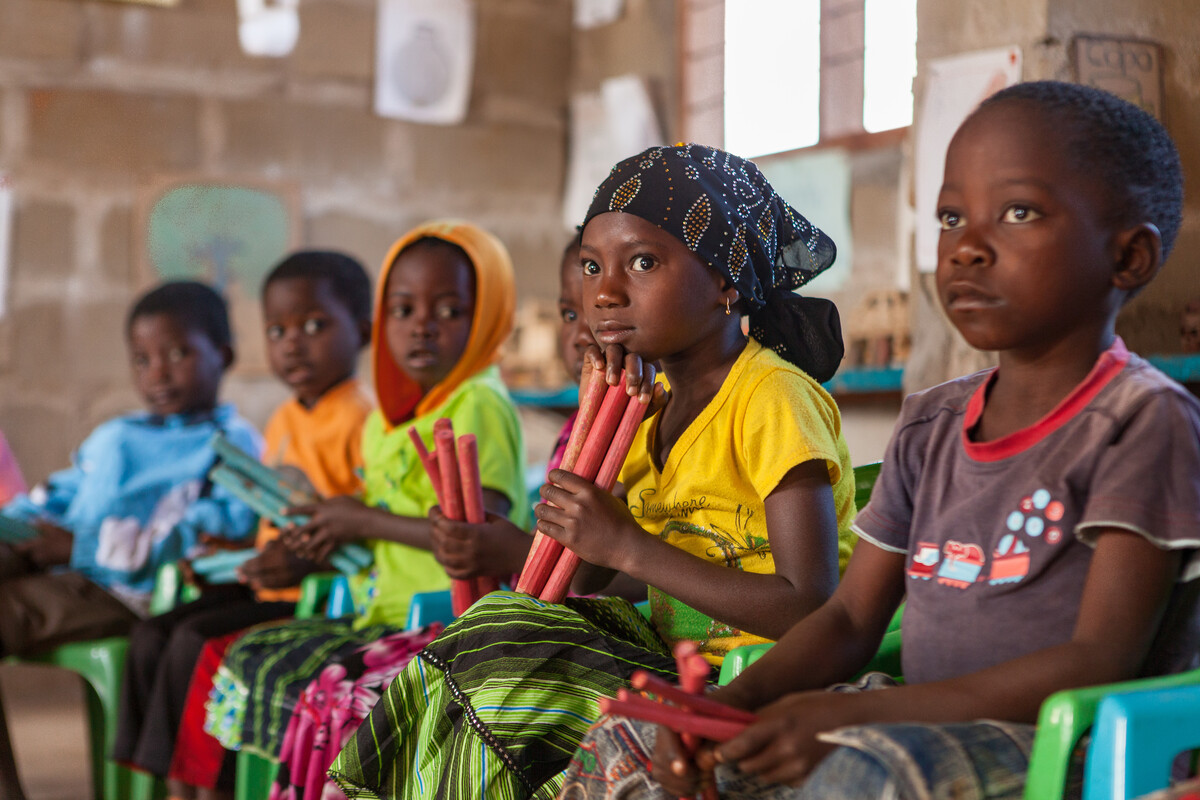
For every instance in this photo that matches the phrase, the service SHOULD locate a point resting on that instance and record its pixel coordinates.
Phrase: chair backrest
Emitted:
(864, 481)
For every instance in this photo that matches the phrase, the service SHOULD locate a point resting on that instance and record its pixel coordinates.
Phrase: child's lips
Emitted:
(969, 298)
(421, 359)
(612, 332)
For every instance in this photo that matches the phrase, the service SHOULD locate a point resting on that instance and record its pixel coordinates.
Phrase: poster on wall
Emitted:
(953, 88)
(1129, 68)
(606, 126)
(228, 235)
(424, 56)
(6, 214)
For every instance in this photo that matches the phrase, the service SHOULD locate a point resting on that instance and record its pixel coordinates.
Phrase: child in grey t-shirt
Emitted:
(1042, 518)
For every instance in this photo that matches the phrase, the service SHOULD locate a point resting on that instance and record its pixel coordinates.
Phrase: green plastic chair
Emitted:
(255, 773)
(1064, 718)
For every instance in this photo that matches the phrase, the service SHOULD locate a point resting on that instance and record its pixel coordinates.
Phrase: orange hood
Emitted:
(399, 396)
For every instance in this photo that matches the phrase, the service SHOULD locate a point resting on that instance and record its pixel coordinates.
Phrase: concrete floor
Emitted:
(49, 731)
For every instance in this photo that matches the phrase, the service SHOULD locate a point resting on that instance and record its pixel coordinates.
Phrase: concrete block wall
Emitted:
(97, 98)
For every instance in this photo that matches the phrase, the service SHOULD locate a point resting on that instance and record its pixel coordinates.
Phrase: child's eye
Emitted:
(400, 312)
(590, 267)
(949, 220)
(141, 361)
(568, 314)
(1020, 214)
(313, 326)
(176, 355)
(643, 263)
(274, 332)
(448, 312)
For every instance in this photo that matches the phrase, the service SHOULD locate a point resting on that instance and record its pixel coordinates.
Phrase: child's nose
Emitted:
(971, 248)
(610, 290)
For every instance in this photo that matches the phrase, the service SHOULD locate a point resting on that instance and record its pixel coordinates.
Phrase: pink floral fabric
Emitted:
(332, 706)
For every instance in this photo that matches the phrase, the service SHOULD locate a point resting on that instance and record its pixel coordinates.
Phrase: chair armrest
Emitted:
(314, 589)
(1065, 716)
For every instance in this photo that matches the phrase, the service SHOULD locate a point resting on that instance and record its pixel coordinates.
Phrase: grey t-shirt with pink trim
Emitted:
(997, 533)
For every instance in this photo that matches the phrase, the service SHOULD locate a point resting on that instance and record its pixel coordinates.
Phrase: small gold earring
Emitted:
(727, 306)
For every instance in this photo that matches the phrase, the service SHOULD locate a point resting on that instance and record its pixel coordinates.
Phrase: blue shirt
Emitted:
(137, 496)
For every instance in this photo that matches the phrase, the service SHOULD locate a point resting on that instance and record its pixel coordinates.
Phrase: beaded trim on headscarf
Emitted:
(727, 213)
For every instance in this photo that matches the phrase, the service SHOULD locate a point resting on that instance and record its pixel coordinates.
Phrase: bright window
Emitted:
(772, 75)
(773, 71)
(889, 64)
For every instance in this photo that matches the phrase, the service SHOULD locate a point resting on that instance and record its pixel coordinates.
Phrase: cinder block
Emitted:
(43, 240)
(198, 34)
(526, 56)
(45, 30)
(365, 239)
(337, 40)
(116, 246)
(41, 435)
(704, 28)
(842, 34)
(106, 130)
(272, 135)
(40, 344)
(96, 351)
(503, 158)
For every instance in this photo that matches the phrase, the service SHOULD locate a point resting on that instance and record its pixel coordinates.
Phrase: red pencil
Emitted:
(559, 582)
(429, 461)
(472, 492)
(677, 719)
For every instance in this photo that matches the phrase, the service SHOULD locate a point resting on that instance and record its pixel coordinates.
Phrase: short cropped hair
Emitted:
(1125, 146)
(344, 274)
(197, 306)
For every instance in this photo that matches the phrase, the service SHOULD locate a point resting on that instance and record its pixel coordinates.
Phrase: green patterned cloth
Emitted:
(496, 706)
(264, 672)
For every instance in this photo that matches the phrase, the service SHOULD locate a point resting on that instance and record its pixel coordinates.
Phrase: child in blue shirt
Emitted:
(137, 495)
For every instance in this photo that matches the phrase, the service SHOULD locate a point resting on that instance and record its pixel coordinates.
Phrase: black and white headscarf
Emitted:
(726, 212)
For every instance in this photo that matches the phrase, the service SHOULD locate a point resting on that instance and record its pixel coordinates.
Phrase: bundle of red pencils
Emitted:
(604, 428)
(453, 469)
(691, 714)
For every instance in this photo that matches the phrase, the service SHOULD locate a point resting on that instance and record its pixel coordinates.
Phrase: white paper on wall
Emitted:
(954, 87)
(606, 126)
(594, 13)
(424, 55)
(268, 29)
(6, 214)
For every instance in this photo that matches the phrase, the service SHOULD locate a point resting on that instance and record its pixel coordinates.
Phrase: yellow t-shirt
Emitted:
(709, 499)
(325, 443)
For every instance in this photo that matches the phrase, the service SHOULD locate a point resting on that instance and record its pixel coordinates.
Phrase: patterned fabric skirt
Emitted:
(260, 680)
(983, 760)
(331, 708)
(498, 703)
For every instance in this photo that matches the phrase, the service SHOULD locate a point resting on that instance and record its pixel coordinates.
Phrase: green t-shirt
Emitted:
(394, 478)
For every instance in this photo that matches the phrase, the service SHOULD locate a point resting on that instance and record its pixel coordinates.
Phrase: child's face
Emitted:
(175, 370)
(429, 303)
(312, 337)
(1024, 257)
(644, 290)
(574, 336)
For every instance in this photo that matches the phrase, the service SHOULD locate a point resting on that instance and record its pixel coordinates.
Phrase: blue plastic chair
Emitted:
(426, 608)
(1136, 737)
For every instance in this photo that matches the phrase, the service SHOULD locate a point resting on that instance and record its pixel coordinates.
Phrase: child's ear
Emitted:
(228, 356)
(364, 333)
(1139, 256)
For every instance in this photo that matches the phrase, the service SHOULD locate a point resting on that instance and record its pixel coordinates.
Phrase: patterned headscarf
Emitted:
(400, 398)
(726, 212)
